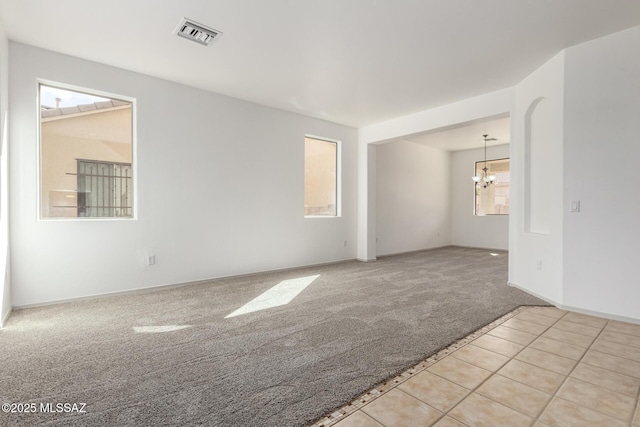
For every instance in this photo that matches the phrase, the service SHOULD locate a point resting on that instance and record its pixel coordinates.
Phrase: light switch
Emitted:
(575, 206)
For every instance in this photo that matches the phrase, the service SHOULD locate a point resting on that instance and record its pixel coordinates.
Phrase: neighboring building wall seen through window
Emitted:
(86, 155)
(320, 177)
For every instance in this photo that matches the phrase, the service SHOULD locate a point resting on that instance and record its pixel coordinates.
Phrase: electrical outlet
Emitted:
(345, 243)
(574, 206)
(151, 260)
(539, 265)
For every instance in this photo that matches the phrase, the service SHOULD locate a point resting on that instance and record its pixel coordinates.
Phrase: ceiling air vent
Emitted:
(198, 33)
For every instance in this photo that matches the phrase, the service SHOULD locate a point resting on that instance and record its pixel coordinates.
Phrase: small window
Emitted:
(494, 198)
(320, 177)
(86, 155)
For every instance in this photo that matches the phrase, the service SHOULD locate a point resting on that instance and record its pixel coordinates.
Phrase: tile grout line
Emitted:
(566, 378)
(617, 343)
(383, 388)
(437, 420)
(600, 351)
(567, 375)
(473, 390)
(636, 410)
(589, 347)
(368, 415)
(496, 373)
(443, 414)
(637, 397)
(554, 394)
(506, 317)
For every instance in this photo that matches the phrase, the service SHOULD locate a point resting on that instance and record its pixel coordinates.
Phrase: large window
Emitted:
(86, 155)
(494, 199)
(320, 177)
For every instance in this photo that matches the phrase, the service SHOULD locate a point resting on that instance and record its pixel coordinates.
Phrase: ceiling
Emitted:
(465, 136)
(354, 62)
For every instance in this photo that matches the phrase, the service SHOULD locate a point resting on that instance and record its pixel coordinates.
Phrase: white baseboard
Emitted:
(478, 247)
(609, 316)
(554, 303)
(411, 251)
(600, 314)
(3, 321)
(173, 285)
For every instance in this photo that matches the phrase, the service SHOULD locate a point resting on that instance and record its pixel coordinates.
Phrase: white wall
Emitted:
(535, 257)
(5, 289)
(601, 158)
(480, 107)
(413, 197)
(468, 229)
(237, 197)
(366, 201)
(574, 128)
(220, 190)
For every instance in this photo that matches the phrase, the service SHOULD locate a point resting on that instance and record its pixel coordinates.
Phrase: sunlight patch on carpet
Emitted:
(281, 294)
(158, 329)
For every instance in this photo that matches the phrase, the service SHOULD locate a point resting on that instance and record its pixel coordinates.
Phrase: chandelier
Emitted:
(484, 179)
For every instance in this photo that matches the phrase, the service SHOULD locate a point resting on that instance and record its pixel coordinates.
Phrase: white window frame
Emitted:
(338, 175)
(134, 151)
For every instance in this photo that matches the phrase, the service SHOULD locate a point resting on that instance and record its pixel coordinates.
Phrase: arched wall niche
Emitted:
(537, 180)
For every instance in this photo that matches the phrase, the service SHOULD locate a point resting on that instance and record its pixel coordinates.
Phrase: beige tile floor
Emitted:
(541, 367)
